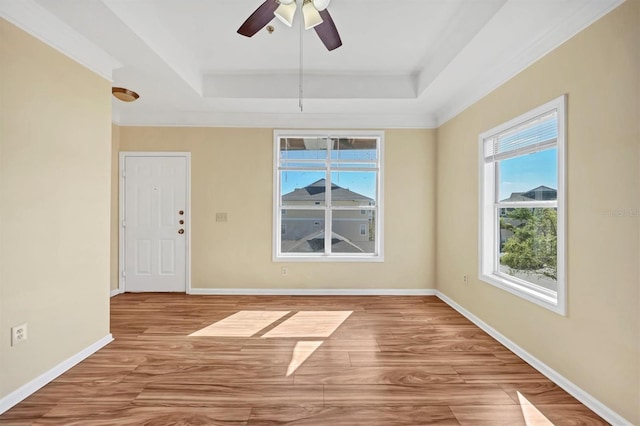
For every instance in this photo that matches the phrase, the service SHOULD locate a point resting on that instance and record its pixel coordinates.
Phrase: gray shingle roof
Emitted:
(317, 190)
(540, 193)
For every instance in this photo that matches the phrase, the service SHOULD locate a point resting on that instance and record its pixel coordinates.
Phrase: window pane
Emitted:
(365, 166)
(358, 149)
(299, 165)
(528, 245)
(302, 231)
(353, 232)
(303, 148)
(301, 188)
(353, 188)
(532, 177)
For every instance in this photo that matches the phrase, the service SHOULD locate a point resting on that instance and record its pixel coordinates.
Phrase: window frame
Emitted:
(378, 255)
(490, 206)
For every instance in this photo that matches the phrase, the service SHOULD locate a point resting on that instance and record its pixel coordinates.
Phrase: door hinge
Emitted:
(124, 173)
(124, 273)
(124, 224)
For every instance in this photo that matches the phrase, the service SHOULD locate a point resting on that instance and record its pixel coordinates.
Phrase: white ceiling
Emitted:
(411, 63)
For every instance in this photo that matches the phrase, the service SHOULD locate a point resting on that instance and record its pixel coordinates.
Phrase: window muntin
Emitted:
(330, 185)
(522, 206)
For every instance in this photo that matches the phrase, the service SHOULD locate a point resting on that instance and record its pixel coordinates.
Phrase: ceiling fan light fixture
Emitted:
(321, 4)
(312, 17)
(125, 95)
(285, 12)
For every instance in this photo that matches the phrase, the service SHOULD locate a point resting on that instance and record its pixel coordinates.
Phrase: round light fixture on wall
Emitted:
(125, 95)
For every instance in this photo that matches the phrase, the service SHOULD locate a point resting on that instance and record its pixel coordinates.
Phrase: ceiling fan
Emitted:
(315, 15)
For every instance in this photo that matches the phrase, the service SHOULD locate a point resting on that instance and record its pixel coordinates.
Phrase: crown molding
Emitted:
(536, 49)
(46, 27)
(276, 120)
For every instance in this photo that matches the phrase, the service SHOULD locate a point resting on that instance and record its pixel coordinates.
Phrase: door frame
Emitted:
(121, 209)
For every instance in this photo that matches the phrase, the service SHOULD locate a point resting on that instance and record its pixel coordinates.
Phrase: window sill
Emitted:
(328, 258)
(540, 298)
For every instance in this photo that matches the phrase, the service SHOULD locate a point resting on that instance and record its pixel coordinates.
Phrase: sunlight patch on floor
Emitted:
(310, 324)
(241, 324)
(301, 352)
(532, 416)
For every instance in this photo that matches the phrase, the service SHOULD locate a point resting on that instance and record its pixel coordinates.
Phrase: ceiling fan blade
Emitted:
(328, 32)
(259, 18)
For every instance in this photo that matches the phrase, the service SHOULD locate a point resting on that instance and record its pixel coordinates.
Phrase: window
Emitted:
(330, 186)
(522, 193)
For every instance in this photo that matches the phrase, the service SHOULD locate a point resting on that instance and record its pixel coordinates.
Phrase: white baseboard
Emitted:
(594, 404)
(24, 391)
(116, 292)
(312, 292)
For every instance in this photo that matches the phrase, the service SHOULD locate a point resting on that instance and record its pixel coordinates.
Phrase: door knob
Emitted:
(181, 222)
(180, 231)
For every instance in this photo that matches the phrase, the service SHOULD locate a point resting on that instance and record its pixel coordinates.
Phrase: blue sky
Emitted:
(523, 173)
(518, 174)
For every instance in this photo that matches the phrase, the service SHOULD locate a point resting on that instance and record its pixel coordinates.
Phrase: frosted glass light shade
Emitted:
(312, 17)
(321, 4)
(285, 12)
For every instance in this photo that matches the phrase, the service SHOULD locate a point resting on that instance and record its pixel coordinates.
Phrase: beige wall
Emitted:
(54, 206)
(597, 345)
(232, 172)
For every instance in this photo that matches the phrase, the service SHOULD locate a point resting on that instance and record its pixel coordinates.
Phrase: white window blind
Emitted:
(534, 135)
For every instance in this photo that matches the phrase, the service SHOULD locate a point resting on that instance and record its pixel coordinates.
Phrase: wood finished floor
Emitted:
(393, 361)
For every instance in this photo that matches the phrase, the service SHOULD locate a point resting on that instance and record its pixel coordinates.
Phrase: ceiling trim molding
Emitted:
(278, 120)
(286, 85)
(492, 79)
(46, 27)
(142, 21)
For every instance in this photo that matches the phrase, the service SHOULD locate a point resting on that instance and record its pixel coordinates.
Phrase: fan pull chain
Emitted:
(300, 76)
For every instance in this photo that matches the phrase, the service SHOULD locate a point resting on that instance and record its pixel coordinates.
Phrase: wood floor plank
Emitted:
(230, 395)
(438, 345)
(405, 376)
(330, 344)
(353, 416)
(431, 358)
(440, 394)
(131, 415)
(199, 373)
(391, 361)
(505, 373)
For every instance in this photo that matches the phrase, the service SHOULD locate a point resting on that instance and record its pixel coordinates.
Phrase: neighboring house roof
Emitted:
(316, 192)
(540, 193)
(315, 242)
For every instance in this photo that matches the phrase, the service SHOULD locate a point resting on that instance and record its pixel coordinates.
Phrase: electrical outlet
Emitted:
(221, 217)
(465, 278)
(18, 334)
(284, 271)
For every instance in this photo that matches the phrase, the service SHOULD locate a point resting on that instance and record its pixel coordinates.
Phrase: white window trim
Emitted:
(277, 256)
(488, 227)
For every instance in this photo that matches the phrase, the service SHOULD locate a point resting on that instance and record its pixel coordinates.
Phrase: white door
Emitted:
(155, 223)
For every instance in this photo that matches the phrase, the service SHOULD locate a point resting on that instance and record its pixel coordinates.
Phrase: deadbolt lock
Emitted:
(181, 212)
